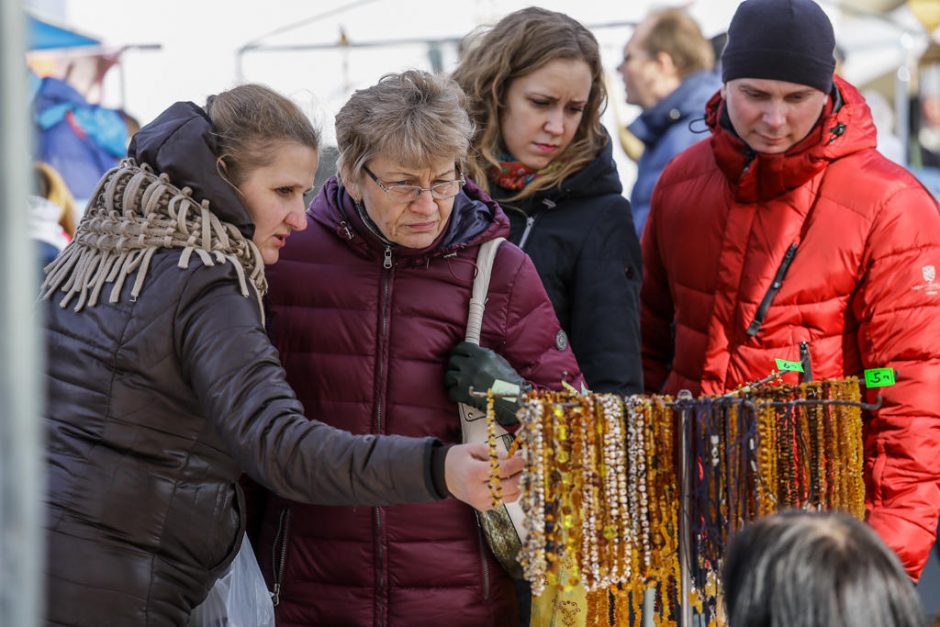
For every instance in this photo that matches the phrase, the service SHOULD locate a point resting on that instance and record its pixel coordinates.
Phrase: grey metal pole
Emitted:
(685, 522)
(21, 469)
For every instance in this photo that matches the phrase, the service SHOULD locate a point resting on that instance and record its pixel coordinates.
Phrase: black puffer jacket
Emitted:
(156, 404)
(581, 238)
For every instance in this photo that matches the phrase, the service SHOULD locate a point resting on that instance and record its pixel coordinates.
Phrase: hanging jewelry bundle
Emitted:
(599, 493)
(602, 487)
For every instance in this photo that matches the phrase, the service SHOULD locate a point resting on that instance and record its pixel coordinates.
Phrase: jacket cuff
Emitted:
(435, 455)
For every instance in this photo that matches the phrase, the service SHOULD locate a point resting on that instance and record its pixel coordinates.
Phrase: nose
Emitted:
(424, 203)
(555, 124)
(774, 115)
(296, 218)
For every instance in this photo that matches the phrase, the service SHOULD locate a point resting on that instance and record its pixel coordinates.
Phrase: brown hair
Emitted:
(675, 33)
(412, 117)
(249, 122)
(519, 44)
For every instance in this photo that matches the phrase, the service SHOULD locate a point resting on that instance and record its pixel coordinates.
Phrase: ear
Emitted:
(666, 64)
(351, 185)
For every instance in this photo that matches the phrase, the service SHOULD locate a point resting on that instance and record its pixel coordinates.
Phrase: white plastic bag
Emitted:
(239, 598)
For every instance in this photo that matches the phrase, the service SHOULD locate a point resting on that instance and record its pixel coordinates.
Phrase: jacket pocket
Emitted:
(223, 544)
(775, 286)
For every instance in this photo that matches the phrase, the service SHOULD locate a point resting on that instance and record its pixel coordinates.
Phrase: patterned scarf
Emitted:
(132, 215)
(513, 175)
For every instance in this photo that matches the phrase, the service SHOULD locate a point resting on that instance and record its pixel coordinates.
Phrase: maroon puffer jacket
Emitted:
(364, 331)
(861, 290)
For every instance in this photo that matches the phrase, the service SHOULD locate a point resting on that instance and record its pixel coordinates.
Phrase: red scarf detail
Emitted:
(511, 175)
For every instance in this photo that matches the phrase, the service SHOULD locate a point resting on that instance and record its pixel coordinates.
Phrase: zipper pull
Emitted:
(346, 230)
(806, 361)
(276, 594)
(387, 264)
(529, 221)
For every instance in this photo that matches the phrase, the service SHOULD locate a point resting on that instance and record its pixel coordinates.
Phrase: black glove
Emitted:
(473, 366)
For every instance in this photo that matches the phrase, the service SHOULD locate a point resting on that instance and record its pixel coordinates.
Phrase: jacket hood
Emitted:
(686, 101)
(180, 144)
(475, 218)
(845, 127)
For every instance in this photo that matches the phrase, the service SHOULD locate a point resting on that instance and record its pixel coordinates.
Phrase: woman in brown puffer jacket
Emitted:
(163, 387)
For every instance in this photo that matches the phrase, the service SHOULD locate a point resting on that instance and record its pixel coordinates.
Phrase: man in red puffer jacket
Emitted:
(789, 228)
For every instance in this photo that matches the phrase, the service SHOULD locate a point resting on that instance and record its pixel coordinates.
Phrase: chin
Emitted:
(537, 162)
(418, 241)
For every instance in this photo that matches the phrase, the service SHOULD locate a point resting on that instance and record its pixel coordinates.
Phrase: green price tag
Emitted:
(789, 366)
(879, 377)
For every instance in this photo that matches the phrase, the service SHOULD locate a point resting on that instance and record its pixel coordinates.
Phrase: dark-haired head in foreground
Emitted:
(815, 569)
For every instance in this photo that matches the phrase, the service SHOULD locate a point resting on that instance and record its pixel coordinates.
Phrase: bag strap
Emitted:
(481, 287)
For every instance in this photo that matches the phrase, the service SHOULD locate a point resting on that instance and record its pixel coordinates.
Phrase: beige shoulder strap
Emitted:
(481, 287)
(505, 521)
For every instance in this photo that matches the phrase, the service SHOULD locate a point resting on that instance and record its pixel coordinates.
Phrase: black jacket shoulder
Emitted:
(581, 238)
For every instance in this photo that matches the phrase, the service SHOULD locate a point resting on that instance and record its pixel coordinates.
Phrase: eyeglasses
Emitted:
(410, 193)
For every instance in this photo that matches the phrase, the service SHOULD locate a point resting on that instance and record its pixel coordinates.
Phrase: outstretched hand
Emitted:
(467, 472)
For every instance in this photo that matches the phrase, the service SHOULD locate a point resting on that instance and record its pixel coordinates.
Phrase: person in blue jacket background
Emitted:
(667, 69)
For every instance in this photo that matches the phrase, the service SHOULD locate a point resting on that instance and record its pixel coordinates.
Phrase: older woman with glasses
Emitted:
(368, 309)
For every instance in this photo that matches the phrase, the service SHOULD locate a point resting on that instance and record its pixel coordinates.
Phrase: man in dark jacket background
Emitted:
(667, 70)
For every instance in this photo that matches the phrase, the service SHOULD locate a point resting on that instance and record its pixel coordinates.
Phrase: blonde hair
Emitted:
(413, 117)
(52, 187)
(676, 33)
(249, 122)
(519, 44)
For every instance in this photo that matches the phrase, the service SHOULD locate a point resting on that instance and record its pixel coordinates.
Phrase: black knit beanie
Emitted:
(784, 40)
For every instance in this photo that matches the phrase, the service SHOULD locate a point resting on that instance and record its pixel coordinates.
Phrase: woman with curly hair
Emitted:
(535, 84)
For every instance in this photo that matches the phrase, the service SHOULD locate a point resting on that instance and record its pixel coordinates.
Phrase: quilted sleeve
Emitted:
(242, 388)
(656, 309)
(898, 306)
(532, 339)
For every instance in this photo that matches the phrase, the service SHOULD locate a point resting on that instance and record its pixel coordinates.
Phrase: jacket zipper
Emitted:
(758, 320)
(382, 594)
(380, 379)
(749, 156)
(807, 362)
(529, 222)
(278, 567)
(483, 562)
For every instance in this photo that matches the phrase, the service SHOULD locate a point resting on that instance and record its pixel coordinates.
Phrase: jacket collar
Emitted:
(684, 102)
(598, 178)
(844, 127)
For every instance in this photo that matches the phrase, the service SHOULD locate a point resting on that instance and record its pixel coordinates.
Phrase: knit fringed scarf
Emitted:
(132, 214)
